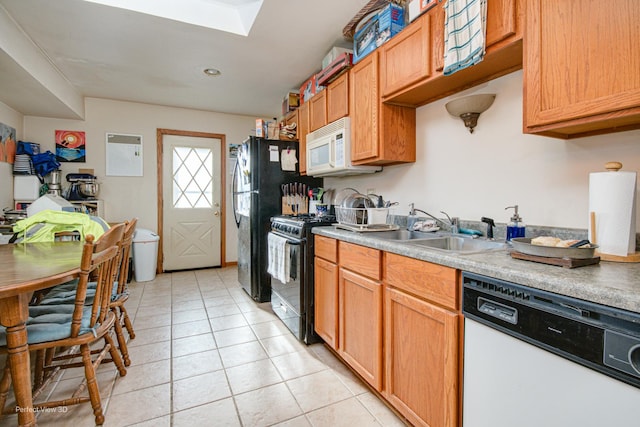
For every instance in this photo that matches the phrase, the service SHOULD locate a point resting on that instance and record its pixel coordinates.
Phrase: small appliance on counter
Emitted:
(83, 186)
(55, 183)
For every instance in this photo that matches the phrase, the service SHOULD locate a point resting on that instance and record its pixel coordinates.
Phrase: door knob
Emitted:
(216, 213)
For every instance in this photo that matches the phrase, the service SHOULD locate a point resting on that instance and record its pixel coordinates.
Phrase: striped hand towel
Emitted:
(464, 34)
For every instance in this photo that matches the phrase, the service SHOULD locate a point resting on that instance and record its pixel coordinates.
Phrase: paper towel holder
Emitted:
(613, 166)
(634, 257)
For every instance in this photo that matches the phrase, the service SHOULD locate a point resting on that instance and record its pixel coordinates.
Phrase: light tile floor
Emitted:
(205, 354)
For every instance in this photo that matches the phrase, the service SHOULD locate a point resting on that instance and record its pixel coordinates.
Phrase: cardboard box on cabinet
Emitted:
(290, 102)
(377, 30)
(333, 54)
(342, 63)
(418, 7)
(309, 88)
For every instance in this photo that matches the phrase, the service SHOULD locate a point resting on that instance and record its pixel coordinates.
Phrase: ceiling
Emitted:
(80, 49)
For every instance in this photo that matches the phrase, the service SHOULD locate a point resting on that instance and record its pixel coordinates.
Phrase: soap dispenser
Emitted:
(515, 227)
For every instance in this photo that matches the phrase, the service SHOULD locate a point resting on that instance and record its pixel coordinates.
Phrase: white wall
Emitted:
(127, 197)
(474, 175)
(466, 175)
(9, 117)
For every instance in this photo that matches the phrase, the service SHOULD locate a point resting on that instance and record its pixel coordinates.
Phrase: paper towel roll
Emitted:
(612, 197)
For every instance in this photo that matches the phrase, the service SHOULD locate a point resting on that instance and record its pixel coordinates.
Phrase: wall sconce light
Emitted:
(470, 107)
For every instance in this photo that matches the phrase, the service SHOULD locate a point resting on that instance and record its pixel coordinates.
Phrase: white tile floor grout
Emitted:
(205, 354)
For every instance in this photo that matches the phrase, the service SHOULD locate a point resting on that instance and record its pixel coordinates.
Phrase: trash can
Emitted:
(145, 254)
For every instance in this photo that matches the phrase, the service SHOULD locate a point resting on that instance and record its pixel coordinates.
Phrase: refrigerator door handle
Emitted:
(234, 182)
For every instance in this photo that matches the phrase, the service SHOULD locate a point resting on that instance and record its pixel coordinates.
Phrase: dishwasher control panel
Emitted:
(599, 337)
(500, 311)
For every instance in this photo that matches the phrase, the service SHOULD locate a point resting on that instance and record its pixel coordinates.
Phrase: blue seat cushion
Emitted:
(68, 286)
(66, 293)
(67, 297)
(52, 326)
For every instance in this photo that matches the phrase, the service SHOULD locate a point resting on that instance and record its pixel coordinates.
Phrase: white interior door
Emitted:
(192, 196)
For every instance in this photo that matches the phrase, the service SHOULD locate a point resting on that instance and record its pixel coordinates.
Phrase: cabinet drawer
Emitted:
(327, 248)
(429, 281)
(359, 259)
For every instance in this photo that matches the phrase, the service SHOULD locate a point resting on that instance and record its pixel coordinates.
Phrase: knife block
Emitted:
(303, 206)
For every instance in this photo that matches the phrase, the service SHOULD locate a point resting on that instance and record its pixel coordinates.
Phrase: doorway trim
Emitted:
(160, 133)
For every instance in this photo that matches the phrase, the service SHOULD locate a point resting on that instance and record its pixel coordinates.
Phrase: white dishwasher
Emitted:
(534, 358)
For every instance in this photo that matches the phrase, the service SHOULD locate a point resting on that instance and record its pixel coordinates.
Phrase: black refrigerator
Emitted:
(257, 196)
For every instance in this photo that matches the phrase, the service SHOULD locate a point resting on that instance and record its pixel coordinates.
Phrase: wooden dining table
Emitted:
(24, 269)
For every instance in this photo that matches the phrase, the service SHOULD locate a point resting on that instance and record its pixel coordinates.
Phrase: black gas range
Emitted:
(293, 301)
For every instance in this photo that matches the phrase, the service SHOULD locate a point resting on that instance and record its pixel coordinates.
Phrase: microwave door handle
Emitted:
(332, 152)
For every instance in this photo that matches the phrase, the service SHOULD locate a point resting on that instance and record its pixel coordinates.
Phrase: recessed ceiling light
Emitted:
(213, 72)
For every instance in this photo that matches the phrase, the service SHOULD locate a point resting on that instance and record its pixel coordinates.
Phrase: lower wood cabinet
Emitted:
(421, 359)
(326, 301)
(398, 325)
(360, 324)
(423, 341)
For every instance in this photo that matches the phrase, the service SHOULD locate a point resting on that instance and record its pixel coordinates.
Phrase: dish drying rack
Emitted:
(363, 219)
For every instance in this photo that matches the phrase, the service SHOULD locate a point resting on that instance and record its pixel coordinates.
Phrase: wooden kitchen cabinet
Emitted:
(303, 130)
(581, 67)
(360, 330)
(399, 326)
(318, 111)
(360, 311)
(338, 98)
(423, 341)
(381, 134)
(326, 290)
(412, 62)
(407, 58)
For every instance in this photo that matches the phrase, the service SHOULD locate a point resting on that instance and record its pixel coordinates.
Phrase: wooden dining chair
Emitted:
(120, 293)
(65, 294)
(78, 328)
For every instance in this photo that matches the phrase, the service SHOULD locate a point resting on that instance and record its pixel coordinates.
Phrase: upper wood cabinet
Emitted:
(338, 98)
(412, 62)
(303, 130)
(318, 111)
(407, 57)
(381, 134)
(581, 67)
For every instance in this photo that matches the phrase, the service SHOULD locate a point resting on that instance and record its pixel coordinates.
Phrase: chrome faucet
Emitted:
(453, 222)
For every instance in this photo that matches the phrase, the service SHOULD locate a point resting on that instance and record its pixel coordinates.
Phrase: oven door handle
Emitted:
(289, 241)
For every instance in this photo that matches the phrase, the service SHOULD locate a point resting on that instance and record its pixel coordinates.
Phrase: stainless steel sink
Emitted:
(402, 234)
(463, 245)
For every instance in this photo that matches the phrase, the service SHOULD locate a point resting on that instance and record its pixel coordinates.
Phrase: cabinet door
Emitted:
(318, 111)
(338, 98)
(360, 325)
(422, 363)
(303, 130)
(406, 58)
(364, 108)
(326, 301)
(581, 67)
(502, 20)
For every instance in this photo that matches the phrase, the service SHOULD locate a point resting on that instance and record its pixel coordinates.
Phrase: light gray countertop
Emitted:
(609, 283)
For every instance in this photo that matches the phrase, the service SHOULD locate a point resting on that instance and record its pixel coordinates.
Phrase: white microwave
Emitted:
(329, 151)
